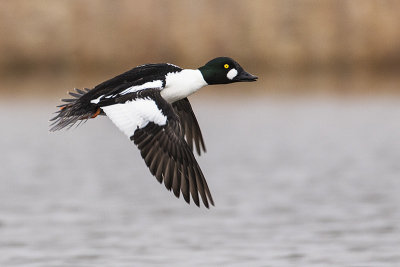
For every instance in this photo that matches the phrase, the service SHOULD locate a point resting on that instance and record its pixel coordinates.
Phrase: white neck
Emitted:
(179, 85)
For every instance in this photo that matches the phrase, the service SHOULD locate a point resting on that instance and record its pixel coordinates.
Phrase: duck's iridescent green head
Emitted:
(223, 70)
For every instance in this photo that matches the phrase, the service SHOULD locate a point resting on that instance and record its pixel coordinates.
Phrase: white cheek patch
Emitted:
(231, 74)
(135, 114)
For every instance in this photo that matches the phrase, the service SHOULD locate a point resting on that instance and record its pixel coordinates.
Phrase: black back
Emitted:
(81, 108)
(136, 76)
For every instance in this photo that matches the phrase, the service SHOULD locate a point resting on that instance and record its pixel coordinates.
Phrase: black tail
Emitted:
(75, 109)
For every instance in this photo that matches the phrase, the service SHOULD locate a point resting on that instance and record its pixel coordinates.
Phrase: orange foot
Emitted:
(96, 113)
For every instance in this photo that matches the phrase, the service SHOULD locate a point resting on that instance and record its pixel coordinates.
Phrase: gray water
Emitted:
(296, 183)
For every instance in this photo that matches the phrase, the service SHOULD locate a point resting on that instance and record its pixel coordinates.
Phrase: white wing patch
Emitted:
(135, 114)
(97, 100)
(231, 74)
(153, 84)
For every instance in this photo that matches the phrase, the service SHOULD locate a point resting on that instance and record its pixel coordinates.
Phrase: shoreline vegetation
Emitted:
(343, 46)
(50, 85)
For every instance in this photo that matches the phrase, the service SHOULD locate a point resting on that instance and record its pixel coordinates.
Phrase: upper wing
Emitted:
(152, 125)
(138, 75)
(189, 124)
(83, 105)
(138, 78)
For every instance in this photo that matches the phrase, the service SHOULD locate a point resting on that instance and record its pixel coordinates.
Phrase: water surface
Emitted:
(295, 182)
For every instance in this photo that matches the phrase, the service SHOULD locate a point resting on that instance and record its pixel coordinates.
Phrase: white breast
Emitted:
(179, 85)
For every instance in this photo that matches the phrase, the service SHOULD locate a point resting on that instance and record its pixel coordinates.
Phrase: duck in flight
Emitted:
(149, 104)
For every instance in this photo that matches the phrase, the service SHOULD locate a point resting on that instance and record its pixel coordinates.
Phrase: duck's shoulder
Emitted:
(144, 74)
(141, 73)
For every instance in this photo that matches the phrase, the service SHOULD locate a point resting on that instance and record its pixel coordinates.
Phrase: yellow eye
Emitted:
(226, 66)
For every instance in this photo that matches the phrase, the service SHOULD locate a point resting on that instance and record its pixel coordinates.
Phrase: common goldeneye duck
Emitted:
(149, 105)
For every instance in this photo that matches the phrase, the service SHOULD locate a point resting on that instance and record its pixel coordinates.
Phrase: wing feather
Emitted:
(190, 125)
(155, 129)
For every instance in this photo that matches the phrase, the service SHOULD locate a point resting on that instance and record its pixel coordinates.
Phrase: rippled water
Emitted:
(296, 183)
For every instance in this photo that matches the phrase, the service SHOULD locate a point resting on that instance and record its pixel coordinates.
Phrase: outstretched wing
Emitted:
(84, 106)
(150, 122)
(190, 125)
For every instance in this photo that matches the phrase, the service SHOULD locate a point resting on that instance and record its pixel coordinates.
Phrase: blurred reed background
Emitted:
(294, 46)
(303, 164)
